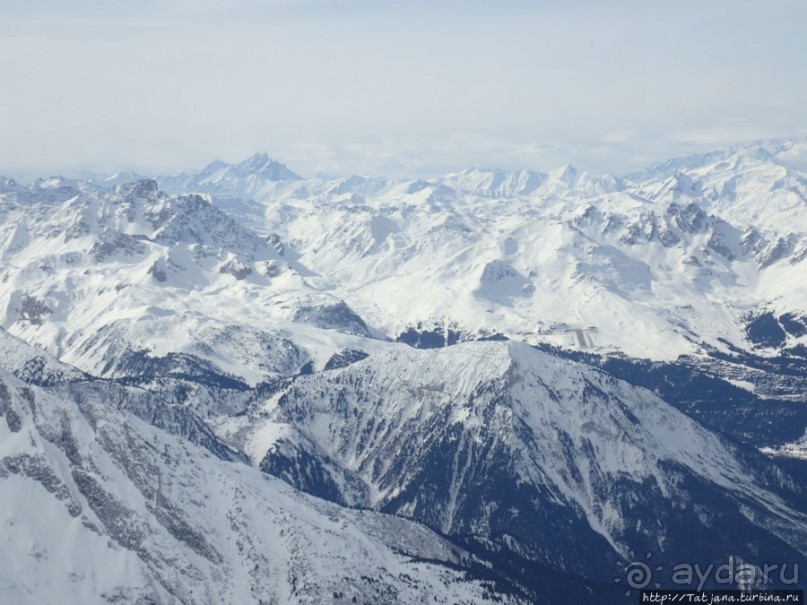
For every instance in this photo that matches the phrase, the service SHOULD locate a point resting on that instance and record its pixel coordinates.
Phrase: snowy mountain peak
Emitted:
(768, 154)
(9, 185)
(430, 435)
(120, 178)
(257, 161)
(139, 188)
(467, 354)
(496, 183)
(251, 176)
(567, 174)
(56, 187)
(261, 164)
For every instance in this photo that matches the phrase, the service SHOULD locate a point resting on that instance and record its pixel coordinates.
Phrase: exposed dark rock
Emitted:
(795, 325)
(36, 468)
(235, 268)
(299, 464)
(344, 358)
(157, 271)
(110, 243)
(335, 316)
(33, 310)
(6, 409)
(763, 330)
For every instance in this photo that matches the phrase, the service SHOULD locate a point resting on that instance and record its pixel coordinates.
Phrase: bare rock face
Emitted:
(235, 268)
(111, 244)
(157, 271)
(157, 519)
(33, 310)
(203, 398)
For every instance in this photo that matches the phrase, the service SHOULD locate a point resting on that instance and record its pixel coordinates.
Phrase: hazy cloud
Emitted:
(393, 87)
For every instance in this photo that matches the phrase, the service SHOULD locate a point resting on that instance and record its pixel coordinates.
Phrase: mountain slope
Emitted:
(509, 450)
(179, 356)
(111, 281)
(654, 265)
(101, 507)
(247, 178)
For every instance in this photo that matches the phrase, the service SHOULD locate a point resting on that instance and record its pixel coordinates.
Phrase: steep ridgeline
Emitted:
(98, 506)
(246, 180)
(178, 366)
(527, 459)
(132, 282)
(697, 264)
(652, 265)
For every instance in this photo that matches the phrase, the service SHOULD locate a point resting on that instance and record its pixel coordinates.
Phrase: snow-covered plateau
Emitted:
(246, 386)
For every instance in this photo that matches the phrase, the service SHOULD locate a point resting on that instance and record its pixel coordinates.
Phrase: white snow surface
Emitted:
(96, 506)
(258, 275)
(569, 425)
(653, 265)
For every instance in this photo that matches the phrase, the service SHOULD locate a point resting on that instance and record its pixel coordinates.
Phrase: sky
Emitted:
(393, 88)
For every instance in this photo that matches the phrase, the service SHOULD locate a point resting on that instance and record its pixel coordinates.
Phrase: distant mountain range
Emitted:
(242, 385)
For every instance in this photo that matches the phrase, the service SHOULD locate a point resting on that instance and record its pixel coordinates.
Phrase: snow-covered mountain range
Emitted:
(242, 385)
(99, 506)
(652, 265)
